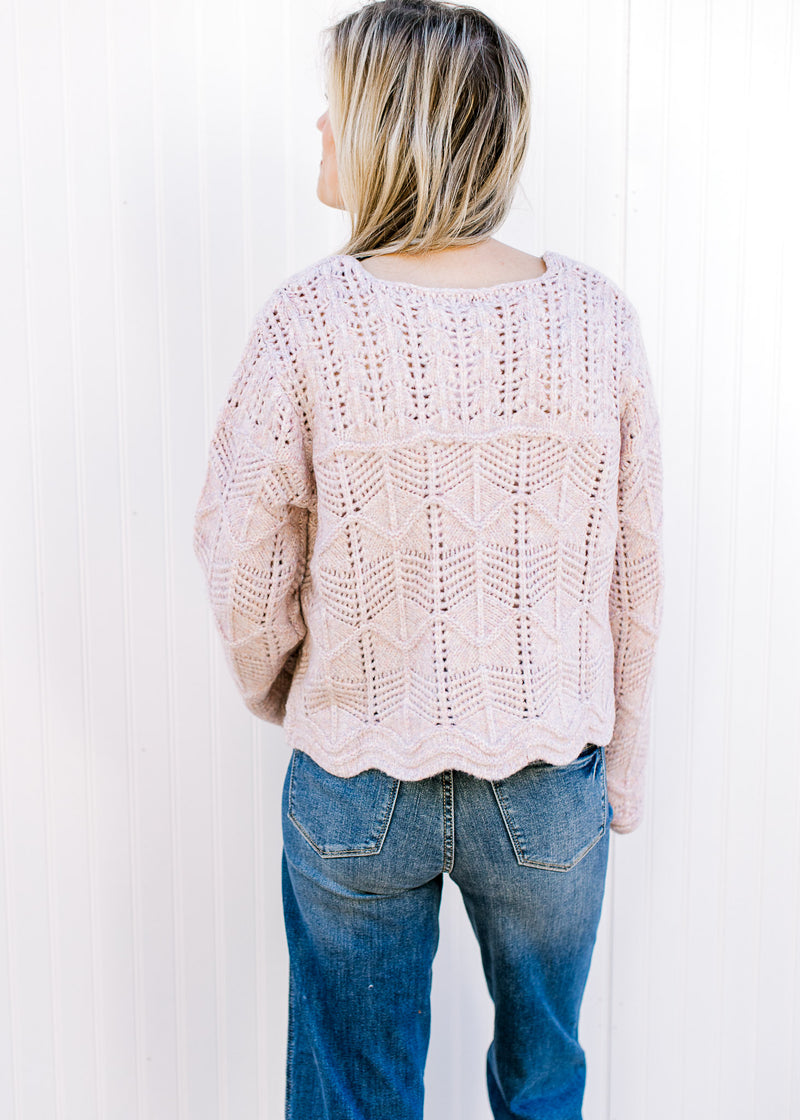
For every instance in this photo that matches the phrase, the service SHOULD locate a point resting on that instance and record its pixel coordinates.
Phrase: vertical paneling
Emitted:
(161, 164)
(708, 224)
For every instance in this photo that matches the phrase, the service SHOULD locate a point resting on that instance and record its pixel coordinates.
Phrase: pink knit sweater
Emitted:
(431, 524)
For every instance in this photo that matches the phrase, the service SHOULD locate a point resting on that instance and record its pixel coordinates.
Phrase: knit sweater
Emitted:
(431, 524)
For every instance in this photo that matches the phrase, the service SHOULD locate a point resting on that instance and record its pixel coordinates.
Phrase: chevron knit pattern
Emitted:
(431, 524)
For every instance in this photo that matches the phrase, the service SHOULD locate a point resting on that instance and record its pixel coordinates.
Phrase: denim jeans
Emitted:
(363, 865)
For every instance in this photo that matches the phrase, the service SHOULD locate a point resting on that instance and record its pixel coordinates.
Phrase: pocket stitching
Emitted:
(563, 866)
(515, 837)
(383, 828)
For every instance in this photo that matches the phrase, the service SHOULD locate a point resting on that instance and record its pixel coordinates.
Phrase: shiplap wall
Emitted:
(159, 172)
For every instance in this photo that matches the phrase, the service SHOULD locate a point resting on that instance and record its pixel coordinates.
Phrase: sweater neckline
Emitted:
(550, 258)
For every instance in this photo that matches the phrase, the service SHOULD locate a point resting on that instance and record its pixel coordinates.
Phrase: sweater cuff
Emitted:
(626, 787)
(627, 817)
(272, 707)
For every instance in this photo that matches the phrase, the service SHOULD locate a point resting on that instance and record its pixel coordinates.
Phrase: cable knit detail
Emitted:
(431, 524)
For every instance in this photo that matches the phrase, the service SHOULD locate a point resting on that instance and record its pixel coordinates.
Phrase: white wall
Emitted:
(161, 163)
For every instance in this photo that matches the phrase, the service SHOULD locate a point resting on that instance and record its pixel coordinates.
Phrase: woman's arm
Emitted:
(250, 529)
(636, 596)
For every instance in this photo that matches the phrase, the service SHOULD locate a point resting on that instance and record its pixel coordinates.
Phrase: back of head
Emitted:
(429, 105)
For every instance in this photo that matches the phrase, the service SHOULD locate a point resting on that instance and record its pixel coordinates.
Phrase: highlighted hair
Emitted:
(429, 105)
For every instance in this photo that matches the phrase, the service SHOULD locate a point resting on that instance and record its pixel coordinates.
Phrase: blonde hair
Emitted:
(429, 106)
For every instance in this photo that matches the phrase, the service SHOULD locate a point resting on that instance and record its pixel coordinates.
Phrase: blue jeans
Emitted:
(363, 865)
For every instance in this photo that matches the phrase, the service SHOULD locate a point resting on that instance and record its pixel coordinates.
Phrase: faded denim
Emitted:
(363, 865)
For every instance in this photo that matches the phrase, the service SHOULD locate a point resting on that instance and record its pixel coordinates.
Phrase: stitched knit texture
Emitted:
(431, 524)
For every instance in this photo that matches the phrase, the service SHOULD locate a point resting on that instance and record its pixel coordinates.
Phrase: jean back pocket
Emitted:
(340, 816)
(554, 815)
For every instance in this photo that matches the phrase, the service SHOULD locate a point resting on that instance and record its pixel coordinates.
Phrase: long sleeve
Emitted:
(251, 524)
(636, 595)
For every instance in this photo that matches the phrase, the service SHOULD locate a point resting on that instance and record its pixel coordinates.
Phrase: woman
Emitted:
(431, 531)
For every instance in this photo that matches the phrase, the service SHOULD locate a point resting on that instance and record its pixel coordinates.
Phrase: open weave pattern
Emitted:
(431, 524)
